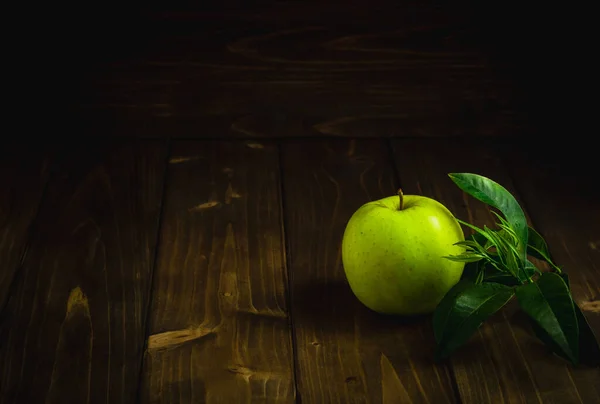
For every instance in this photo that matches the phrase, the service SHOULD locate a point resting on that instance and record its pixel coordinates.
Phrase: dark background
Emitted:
(535, 84)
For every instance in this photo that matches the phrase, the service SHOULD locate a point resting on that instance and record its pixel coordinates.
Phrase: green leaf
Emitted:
(588, 342)
(538, 244)
(445, 307)
(474, 271)
(462, 311)
(480, 234)
(549, 304)
(505, 278)
(547, 339)
(509, 257)
(472, 246)
(495, 195)
(531, 269)
(527, 271)
(478, 238)
(480, 275)
(537, 247)
(496, 264)
(511, 253)
(502, 220)
(508, 235)
(464, 257)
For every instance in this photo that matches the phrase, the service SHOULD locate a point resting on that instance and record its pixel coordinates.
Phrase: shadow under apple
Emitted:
(330, 310)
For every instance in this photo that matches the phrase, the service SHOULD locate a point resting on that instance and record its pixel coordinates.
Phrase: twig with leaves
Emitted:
(498, 269)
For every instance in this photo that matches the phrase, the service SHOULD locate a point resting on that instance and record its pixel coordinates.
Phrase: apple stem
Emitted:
(401, 196)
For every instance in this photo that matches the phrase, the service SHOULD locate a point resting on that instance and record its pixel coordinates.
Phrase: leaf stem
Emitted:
(401, 196)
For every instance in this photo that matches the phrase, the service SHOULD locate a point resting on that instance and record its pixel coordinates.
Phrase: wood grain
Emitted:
(503, 362)
(304, 68)
(565, 206)
(219, 330)
(23, 175)
(73, 329)
(346, 353)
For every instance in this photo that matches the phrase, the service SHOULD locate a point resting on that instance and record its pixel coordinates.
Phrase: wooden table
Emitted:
(199, 260)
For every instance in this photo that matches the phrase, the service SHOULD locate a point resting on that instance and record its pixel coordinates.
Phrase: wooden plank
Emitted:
(346, 353)
(23, 174)
(300, 68)
(219, 319)
(503, 362)
(565, 206)
(73, 329)
(252, 102)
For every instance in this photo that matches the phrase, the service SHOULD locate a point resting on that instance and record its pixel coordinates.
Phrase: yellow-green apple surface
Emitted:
(393, 253)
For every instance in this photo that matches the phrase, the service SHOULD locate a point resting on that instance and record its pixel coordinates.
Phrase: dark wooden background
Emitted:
(216, 69)
(350, 68)
(263, 126)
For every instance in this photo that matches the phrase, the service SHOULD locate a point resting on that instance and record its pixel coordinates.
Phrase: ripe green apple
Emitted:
(393, 253)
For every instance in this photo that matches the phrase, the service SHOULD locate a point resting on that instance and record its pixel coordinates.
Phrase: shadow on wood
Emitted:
(332, 306)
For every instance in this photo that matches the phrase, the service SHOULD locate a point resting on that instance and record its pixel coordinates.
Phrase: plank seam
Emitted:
(290, 274)
(146, 325)
(31, 231)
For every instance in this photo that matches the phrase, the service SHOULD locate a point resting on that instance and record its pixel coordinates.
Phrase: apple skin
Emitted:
(394, 259)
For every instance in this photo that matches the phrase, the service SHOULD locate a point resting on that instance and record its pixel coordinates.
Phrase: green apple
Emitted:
(393, 253)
